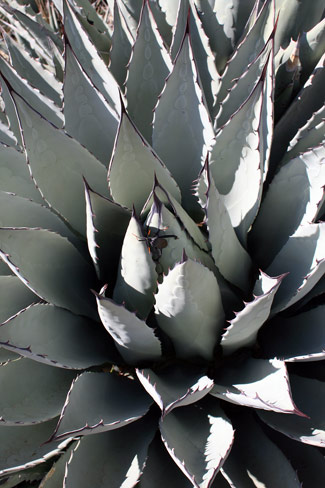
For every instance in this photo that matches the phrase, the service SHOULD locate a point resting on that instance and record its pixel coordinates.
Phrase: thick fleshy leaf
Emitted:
(7, 137)
(303, 257)
(230, 257)
(241, 90)
(199, 439)
(256, 383)
(309, 100)
(308, 461)
(14, 296)
(181, 118)
(246, 52)
(32, 392)
(10, 111)
(312, 44)
(308, 136)
(50, 266)
(121, 46)
(240, 154)
(16, 211)
(176, 386)
(57, 337)
(89, 58)
(98, 402)
(115, 458)
(23, 447)
(148, 69)
(41, 103)
(243, 329)
(55, 477)
(189, 309)
(160, 470)
(6, 356)
(178, 29)
(293, 196)
(32, 70)
(58, 163)
(133, 168)
(164, 224)
(204, 58)
(88, 117)
(255, 461)
(14, 174)
(106, 226)
(297, 338)
(134, 339)
(309, 395)
(137, 276)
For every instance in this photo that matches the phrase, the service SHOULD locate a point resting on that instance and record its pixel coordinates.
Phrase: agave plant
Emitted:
(162, 251)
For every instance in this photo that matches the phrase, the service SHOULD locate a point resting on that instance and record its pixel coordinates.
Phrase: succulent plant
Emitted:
(162, 251)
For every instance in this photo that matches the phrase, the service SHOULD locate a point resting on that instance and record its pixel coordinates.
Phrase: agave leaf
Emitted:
(256, 383)
(308, 461)
(14, 174)
(47, 334)
(133, 167)
(106, 226)
(17, 211)
(122, 42)
(199, 440)
(312, 44)
(179, 27)
(175, 387)
(137, 277)
(170, 10)
(240, 154)
(32, 393)
(7, 137)
(14, 297)
(303, 257)
(134, 339)
(131, 11)
(40, 31)
(248, 464)
(98, 402)
(160, 470)
(10, 111)
(50, 266)
(97, 30)
(308, 136)
(42, 104)
(243, 329)
(89, 58)
(94, 123)
(212, 24)
(295, 18)
(163, 223)
(293, 195)
(24, 448)
(189, 309)
(111, 459)
(244, 85)
(309, 395)
(204, 58)
(160, 18)
(55, 476)
(58, 164)
(297, 338)
(6, 356)
(33, 71)
(246, 52)
(308, 101)
(181, 118)
(185, 220)
(230, 257)
(148, 69)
